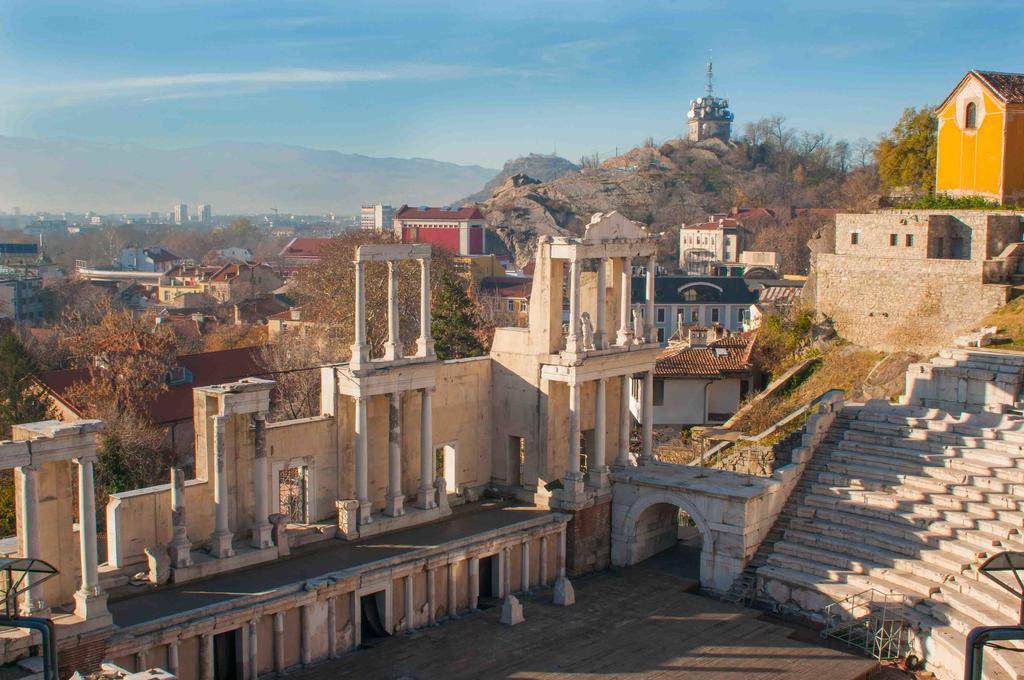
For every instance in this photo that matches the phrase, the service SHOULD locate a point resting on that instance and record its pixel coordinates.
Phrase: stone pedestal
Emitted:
(220, 544)
(564, 594)
(91, 607)
(348, 519)
(512, 611)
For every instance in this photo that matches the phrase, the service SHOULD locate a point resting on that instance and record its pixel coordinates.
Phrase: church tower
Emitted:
(709, 116)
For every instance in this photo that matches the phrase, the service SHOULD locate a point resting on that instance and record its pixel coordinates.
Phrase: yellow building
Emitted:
(981, 138)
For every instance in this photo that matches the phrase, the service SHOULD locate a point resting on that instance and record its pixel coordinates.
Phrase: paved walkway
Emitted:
(315, 560)
(638, 623)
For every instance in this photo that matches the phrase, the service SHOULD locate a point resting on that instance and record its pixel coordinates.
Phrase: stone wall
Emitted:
(892, 305)
(588, 538)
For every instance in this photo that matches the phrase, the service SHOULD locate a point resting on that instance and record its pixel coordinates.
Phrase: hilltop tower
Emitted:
(709, 116)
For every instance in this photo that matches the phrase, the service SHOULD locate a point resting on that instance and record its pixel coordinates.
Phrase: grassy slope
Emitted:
(1009, 319)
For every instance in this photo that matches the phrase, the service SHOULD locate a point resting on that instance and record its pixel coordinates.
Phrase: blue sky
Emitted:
(478, 82)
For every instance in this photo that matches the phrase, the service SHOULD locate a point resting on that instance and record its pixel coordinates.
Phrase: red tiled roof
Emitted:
(1007, 86)
(161, 255)
(507, 286)
(711, 226)
(469, 212)
(175, 403)
(682, 361)
(305, 246)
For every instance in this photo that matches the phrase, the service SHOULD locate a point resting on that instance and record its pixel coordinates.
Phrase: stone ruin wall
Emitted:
(892, 304)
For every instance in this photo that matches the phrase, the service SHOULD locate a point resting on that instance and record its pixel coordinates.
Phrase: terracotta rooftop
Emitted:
(305, 247)
(175, 403)
(727, 356)
(469, 212)
(1007, 86)
(507, 286)
(728, 223)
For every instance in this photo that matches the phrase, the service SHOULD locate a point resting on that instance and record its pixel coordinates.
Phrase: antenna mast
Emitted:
(707, 88)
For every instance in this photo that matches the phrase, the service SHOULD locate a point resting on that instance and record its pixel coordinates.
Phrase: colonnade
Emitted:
(626, 334)
(395, 497)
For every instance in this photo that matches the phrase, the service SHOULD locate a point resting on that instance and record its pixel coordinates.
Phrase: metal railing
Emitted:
(871, 621)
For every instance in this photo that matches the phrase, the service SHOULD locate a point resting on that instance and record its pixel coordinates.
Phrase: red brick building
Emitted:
(459, 231)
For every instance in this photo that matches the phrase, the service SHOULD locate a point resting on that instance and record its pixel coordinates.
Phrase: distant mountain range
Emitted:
(234, 177)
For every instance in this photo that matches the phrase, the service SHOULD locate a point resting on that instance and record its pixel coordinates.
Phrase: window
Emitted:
(659, 392)
(661, 315)
(854, 238)
(661, 335)
(524, 307)
(893, 239)
(714, 315)
(910, 240)
(694, 315)
(690, 295)
(971, 116)
(511, 305)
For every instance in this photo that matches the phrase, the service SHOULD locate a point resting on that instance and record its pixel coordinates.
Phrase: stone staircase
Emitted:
(909, 499)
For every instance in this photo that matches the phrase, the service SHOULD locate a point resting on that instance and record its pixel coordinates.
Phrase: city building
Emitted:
(460, 231)
(204, 213)
(701, 377)
(154, 259)
(377, 217)
(506, 299)
(303, 251)
(705, 301)
(229, 283)
(179, 214)
(709, 116)
(20, 253)
(980, 147)
(718, 248)
(21, 298)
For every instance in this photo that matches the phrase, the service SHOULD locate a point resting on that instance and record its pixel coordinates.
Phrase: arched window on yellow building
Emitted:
(971, 116)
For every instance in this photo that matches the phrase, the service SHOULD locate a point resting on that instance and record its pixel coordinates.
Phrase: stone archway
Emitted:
(630, 546)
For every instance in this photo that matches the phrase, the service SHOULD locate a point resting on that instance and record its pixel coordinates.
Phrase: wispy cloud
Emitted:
(185, 85)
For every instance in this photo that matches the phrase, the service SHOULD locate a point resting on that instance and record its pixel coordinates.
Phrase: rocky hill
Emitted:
(541, 167)
(665, 186)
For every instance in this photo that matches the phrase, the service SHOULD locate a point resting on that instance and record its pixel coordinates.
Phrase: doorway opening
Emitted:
(516, 460)
(489, 585)
(226, 656)
(444, 466)
(669, 538)
(373, 617)
(293, 493)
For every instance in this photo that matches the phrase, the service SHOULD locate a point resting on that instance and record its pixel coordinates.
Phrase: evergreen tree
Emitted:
(17, 404)
(457, 323)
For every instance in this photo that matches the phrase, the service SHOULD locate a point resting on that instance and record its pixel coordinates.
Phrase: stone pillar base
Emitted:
(262, 536)
(365, 513)
(426, 498)
(348, 519)
(564, 594)
(391, 352)
(220, 544)
(180, 554)
(599, 479)
(425, 349)
(511, 611)
(91, 606)
(394, 506)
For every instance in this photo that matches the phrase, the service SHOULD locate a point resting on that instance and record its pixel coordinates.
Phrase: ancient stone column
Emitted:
(474, 583)
(600, 333)
(206, 656)
(180, 548)
(305, 634)
(90, 600)
(410, 610)
(425, 496)
(425, 345)
(453, 596)
(261, 527)
(431, 597)
(140, 660)
(395, 499)
(253, 661)
(543, 557)
(279, 641)
(524, 566)
(624, 422)
(573, 482)
(511, 609)
(28, 520)
(360, 350)
(572, 342)
(393, 347)
(598, 472)
(332, 627)
(362, 463)
(564, 594)
(625, 334)
(173, 664)
(220, 541)
(650, 332)
(648, 418)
